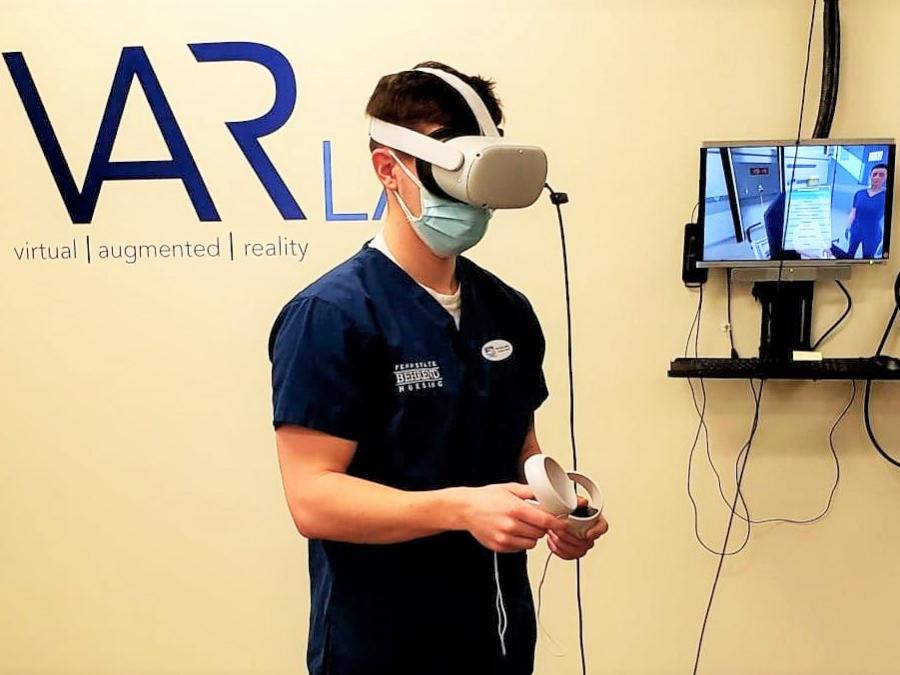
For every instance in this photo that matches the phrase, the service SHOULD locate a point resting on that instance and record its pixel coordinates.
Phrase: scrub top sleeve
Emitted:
(537, 385)
(316, 366)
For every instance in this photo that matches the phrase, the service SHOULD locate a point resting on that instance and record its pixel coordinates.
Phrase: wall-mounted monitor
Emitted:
(819, 203)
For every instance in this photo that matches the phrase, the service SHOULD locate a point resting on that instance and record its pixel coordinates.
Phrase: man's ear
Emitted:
(385, 168)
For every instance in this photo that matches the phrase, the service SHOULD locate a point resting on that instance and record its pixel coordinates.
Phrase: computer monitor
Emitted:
(822, 202)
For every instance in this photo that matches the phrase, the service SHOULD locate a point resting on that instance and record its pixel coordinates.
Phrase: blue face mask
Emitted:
(445, 226)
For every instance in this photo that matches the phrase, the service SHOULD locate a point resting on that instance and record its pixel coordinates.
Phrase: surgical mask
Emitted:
(447, 227)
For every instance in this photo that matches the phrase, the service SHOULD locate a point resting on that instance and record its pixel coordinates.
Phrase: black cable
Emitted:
(701, 426)
(712, 465)
(558, 199)
(745, 518)
(580, 616)
(758, 396)
(841, 318)
(866, 416)
(831, 68)
(835, 484)
(830, 77)
(746, 456)
(789, 187)
(695, 324)
(700, 408)
(812, 21)
(890, 323)
(870, 431)
(734, 353)
(701, 411)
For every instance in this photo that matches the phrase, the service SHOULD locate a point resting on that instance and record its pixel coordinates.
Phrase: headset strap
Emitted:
(415, 144)
(476, 104)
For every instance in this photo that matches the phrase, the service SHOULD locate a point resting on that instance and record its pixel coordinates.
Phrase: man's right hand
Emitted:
(500, 519)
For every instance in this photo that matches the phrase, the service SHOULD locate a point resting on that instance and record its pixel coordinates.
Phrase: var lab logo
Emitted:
(135, 64)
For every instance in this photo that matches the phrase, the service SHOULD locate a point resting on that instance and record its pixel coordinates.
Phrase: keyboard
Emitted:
(872, 368)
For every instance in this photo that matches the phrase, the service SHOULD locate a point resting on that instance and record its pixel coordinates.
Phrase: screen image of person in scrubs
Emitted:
(405, 382)
(866, 222)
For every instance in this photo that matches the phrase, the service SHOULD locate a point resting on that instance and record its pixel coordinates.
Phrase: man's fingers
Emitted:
(523, 529)
(554, 548)
(530, 514)
(534, 516)
(598, 529)
(570, 539)
(563, 551)
(506, 543)
(519, 490)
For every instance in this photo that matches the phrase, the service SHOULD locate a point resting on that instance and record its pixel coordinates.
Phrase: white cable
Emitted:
(560, 652)
(502, 620)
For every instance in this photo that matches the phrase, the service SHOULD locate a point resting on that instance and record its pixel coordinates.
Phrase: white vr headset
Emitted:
(485, 170)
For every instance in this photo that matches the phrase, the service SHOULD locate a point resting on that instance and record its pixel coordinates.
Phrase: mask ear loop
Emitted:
(403, 206)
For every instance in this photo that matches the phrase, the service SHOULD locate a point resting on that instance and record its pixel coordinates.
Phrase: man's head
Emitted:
(878, 176)
(424, 103)
(427, 104)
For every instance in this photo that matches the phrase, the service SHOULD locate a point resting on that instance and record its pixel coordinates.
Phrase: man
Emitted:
(401, 443)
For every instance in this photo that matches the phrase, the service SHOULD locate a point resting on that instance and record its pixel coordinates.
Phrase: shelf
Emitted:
(826, 369)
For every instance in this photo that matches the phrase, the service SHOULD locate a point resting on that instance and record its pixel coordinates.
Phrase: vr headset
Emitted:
(485, 170)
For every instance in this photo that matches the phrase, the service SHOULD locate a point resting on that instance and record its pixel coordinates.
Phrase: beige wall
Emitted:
(144, 529)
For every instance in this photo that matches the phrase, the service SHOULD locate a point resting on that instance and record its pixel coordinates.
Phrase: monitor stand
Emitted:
(787, 305)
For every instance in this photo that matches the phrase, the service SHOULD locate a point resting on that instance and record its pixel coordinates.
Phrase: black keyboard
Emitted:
(873, 368)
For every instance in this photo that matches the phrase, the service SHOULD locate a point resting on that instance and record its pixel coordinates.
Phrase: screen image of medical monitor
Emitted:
(815, 202)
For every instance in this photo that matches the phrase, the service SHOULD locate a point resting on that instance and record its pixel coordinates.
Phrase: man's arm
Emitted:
(326, 503)
(529, 447)
(850, 220)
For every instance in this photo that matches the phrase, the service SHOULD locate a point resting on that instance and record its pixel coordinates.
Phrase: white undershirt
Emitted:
(452, 302)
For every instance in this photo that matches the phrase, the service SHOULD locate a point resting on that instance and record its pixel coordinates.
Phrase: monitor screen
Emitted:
(822, 202)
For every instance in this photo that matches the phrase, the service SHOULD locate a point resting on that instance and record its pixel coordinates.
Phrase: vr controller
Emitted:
(554, 489)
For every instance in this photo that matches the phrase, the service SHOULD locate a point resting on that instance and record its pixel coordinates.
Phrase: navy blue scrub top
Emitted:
(366, 354)
(869, 211)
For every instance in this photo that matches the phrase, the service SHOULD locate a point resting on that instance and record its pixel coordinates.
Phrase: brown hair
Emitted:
(412, 98)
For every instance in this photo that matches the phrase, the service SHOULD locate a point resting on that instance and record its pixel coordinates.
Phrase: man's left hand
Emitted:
(569, 547)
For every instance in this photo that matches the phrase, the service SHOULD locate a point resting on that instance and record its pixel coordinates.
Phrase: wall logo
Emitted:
(135, 64)
(418, 375)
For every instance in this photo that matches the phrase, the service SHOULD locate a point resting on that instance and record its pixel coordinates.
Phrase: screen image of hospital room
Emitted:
(755, 182)
(748, 222)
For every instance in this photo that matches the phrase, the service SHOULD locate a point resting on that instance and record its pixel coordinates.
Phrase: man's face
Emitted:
(879, 177)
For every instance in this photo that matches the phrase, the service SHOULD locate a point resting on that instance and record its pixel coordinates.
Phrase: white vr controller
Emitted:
(554, 489)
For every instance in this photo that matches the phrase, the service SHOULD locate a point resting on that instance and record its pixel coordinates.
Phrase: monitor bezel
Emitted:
(888, 208)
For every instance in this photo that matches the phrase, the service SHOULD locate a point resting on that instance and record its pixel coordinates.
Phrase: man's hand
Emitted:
(569, 547)
(498, 517)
